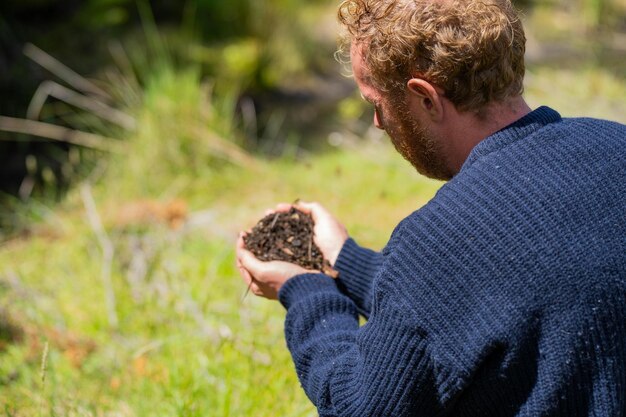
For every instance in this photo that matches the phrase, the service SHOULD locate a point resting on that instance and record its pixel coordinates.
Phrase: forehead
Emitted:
(361, 73)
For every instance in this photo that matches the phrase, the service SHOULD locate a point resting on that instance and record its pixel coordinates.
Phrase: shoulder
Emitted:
(594, 123)
(508, 229)
(603, 133)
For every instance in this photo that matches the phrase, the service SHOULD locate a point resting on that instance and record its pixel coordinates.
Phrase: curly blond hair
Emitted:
(472, 49)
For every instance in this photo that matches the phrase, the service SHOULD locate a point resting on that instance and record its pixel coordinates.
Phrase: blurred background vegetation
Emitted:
(137, 137)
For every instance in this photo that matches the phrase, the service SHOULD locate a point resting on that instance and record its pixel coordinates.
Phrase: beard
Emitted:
(417, 145)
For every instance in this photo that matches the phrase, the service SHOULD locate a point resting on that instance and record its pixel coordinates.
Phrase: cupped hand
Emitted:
(264, 279)
(330, 235)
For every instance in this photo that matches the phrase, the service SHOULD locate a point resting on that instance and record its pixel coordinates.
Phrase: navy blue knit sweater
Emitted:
(505, 295)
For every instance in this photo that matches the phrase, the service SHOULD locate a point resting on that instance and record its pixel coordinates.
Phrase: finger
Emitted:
(245, 275)
(303, 206)
(239, 246)
(282, 207)
(250, 262)
(248, 287)
(255, 289)
(242, 253)
(240, 242)
(310, 205)
(313, 208)
(258, 292)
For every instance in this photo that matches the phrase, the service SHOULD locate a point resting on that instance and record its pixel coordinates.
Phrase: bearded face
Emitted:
(414, 142)
(392, 113)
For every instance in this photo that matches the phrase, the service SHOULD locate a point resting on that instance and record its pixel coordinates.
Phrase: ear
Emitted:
(423, 96)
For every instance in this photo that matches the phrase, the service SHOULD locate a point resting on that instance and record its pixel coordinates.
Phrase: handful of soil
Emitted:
(287, 236)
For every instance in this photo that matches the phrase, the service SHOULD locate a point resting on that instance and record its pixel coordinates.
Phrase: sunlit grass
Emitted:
(185, 342)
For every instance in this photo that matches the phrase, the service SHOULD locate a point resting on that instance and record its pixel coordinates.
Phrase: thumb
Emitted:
(314, 209)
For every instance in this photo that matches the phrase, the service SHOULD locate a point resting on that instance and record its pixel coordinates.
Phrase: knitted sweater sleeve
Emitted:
(380, 369)
(357, 267)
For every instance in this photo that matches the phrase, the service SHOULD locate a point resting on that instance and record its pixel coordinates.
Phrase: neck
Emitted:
(465, 130)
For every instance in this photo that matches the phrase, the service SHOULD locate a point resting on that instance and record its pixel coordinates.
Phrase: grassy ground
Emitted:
(184, 339)
(124, 300)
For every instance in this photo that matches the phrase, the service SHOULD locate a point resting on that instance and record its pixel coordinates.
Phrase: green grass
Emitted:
(184, 342)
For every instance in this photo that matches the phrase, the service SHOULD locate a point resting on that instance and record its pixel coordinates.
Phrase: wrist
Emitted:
(332, 257)
(303, 286)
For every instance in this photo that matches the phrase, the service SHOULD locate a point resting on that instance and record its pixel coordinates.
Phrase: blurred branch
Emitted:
(53, 89)
(107, 251)
(60, 70)
(250, 123)
(59, 133)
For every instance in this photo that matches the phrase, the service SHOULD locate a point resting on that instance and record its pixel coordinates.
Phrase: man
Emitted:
(506, 294)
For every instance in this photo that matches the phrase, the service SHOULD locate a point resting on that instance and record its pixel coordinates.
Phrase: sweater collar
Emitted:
(519, 129)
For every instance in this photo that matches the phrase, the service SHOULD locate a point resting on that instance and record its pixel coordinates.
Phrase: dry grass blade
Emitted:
(247, 291)
(96, 107)
(274, 221)
(63, 72)
(122, 60)
(107, 251)
(59, 133)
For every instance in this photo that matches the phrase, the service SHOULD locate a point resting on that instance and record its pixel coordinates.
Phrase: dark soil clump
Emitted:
(287, 236)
